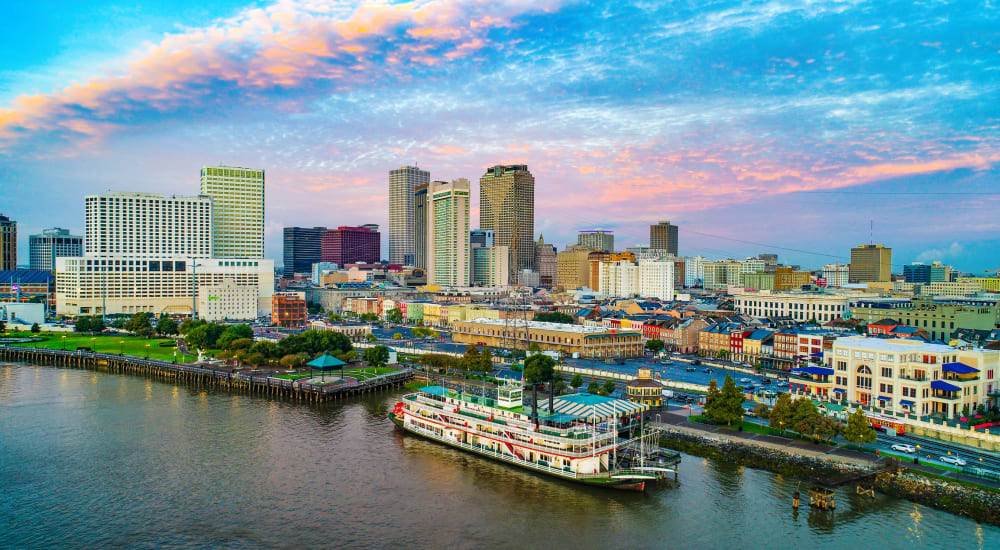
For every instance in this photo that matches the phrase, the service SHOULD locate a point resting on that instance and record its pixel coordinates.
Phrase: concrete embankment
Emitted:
(978, 504)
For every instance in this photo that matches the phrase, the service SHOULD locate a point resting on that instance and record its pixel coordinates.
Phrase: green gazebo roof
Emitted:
(326, 361)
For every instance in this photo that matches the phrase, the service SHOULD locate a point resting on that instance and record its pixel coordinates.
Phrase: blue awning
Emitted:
(839, 390)
(884, 398)
(944, 386)
(906, 402)
(958, 368)
(814, 370)
(820, 355)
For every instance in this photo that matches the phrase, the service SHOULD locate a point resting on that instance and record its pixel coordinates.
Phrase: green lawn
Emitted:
(129, 345)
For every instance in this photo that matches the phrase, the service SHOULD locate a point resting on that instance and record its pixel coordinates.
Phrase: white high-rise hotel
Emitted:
(648, 278)
(448, 233)
(157, 254)
(402, 184)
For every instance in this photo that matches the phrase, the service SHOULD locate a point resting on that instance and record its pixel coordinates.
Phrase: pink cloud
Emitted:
(286, 44)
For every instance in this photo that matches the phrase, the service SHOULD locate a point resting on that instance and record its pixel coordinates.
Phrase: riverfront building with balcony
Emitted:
(903, 376)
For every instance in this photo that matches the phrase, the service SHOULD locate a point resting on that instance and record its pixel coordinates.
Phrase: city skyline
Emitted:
(794, 125)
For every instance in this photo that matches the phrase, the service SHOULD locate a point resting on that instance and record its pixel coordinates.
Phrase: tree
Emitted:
(188, 324)
(485, 360)
(827, 428)
(470, 361)
(859, 428)
(539, 368)
(266, 348)
(712, 397)
(609, 387)
(654, 345)
(314, 342)
(593, 387)
(534, 347)
(553, 317)
(397, 336)
(781, 413)
(418, 332)
(576, 381)
(97, 324)
(35, 329)
(723, 354)
(82, 324)
(805, 416)
(3, 325)
(371, 337)
(394, 316)
(140, 324)
(166, 325)
(313, 308)
(334, 318)
(377, 356)
(558, 385)
(240, 343)
(292, 361)
(727, 406)
(762, 411)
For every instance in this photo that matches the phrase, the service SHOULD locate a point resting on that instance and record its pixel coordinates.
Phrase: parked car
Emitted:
(904, 448)
(750, 413)
(953, 460)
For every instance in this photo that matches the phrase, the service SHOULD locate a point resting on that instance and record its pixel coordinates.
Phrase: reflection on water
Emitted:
(113, 461)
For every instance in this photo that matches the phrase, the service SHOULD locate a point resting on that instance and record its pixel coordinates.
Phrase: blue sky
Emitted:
(757, 127)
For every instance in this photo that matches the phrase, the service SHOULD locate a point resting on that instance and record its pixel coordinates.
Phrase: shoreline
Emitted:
(975, 503)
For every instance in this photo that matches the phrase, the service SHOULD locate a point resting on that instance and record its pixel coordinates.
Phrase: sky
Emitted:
(797, 128)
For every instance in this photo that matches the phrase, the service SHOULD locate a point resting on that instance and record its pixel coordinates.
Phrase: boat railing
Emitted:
(537, 465)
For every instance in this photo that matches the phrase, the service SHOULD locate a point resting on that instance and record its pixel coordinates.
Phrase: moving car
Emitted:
(904, 448)
(707, 371)
(690, 369)
(954, 460)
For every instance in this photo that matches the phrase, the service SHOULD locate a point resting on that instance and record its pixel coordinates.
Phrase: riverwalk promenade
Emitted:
(205, 376)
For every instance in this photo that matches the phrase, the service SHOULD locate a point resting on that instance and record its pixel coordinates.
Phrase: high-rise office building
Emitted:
(919, 272)
(663, 236)
(507, 207)
(351, 245)
(420, 226)
(448, 246)
(148, 224)
(836, 275)
(8, 244)
(237, 210)
(545, 262)
(598, 239)
(50, 244)
(871, 263)
(402, 189)
(303, 247)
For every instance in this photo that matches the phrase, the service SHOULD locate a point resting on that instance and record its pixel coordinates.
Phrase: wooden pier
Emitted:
(200, 376)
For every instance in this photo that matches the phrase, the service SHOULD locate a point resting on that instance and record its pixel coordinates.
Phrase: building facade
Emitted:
(448, 245)
(940, 318)
(587, 341)
(490, 265)
(226, 301)
(835, 275)
(95, 285)
(507, 207)
(598, 239)
(545, 262)
(237, 210)
(303, 247)
(403, 184)
(871, 263)
(50, 244)
(903, 376)
(288, 310)
(918, 272)
(8, 244)
(351, 245)
(420, 225)
(148, 225)
(663, 236)
(802, 306)
(573, 268)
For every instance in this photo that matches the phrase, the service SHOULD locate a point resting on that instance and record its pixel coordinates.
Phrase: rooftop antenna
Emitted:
(871, 231)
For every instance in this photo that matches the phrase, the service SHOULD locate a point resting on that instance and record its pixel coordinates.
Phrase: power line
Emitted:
(766, 245)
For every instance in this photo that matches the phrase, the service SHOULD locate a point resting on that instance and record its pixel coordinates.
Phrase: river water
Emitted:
(92, 460)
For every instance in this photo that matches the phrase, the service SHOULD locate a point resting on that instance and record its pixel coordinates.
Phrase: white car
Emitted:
(904, 448)
(954, 460)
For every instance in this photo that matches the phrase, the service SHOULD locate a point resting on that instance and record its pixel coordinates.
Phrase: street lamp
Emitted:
(121, 347)
(64, 343)
(93, 344)
(147, 351)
